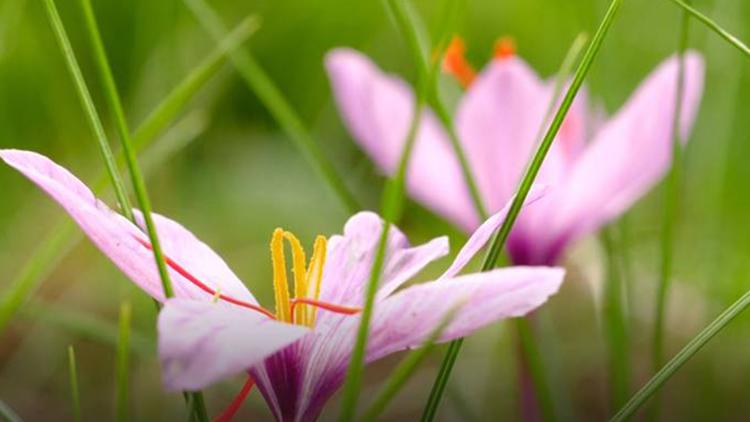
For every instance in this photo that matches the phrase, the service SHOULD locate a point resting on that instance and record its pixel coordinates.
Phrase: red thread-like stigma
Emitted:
(234, 406)
(339, 309)
(201, 285)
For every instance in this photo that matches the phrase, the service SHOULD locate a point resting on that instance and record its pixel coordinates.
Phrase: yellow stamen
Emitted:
(280, 284)
(298, 268)
(315, 276)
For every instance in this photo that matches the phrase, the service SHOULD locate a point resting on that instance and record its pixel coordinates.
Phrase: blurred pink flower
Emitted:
(298, 355)
(595, 170)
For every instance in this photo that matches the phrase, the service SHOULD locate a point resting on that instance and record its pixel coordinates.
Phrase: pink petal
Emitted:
(201, 260)
(408, 318)
(485, 232)
(630, 153)
(201, 343)
(350, 257)
(116, 237)
(377, 109)
(498, 120)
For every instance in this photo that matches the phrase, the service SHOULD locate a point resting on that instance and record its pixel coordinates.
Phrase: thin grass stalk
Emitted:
(62, 238)
(136, 177)
(615, 327)
(8, 414)
(672, 199)
(655, 383)
(75, 399)
(723, 33)
(89, 109)
(408, 24)
(406, 368)
(391, 209)
(501, 236)
(122, 372)
(272, 98)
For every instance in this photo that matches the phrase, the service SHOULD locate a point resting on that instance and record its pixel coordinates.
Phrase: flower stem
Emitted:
(714, 26)
(277, 105)
(672, 198)
(123, 365)
(136, 177)
(501, 236)
(687, 352)
(74, 393)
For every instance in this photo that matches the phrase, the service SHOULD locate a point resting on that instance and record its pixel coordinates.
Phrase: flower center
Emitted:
(302, 308)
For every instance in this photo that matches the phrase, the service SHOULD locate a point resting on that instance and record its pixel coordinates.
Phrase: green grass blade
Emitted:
(405, 370)
(615, 327)
(408, 23)
(88, 106)
(7, 414)
(714, 26)
(75, 399)
(136, 177)
(87, 326)
(122, 372)
(272, 98)
(665, 373)
(166, 111)
(672, 194)
(501, 236)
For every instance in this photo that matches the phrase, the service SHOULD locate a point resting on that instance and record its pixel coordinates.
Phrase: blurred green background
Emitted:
(240, 177)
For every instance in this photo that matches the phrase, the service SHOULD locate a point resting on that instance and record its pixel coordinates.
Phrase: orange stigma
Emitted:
(505, 48)
(455, 63)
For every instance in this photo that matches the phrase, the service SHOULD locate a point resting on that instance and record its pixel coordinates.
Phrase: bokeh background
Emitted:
(238, 176)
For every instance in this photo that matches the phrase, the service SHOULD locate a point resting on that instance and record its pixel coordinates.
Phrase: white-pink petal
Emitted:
(201, 342)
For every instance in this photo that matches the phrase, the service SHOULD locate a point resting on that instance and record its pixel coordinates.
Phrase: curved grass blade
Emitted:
(75, 400)
(136, 177)
(123, 364)
(272, 98)
(731, 39)
(501, 236)
(665, 373)
(672, 194)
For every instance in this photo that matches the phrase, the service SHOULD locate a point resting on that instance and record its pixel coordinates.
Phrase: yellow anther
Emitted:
(217, 295)
(315, 276)
(300, 276)
(280, 284)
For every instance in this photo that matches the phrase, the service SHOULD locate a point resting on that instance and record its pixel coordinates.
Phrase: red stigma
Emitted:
(339, 309)
(201, 285)
(455, 63)
(234, 406)
(505, 48)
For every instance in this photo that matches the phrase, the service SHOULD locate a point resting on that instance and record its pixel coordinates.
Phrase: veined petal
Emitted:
(190, 252)
(351, 255)
(630, 153)
(201, 342)
(407, 318)
(483, 234)
(498, 120)
(377, 108)
(117, 237)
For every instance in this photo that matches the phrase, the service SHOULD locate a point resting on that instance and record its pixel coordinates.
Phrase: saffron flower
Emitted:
(595, 169)
(298, 354)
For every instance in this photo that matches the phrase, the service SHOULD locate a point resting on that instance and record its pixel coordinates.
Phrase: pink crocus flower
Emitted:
(595, 170)
(297, 355)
